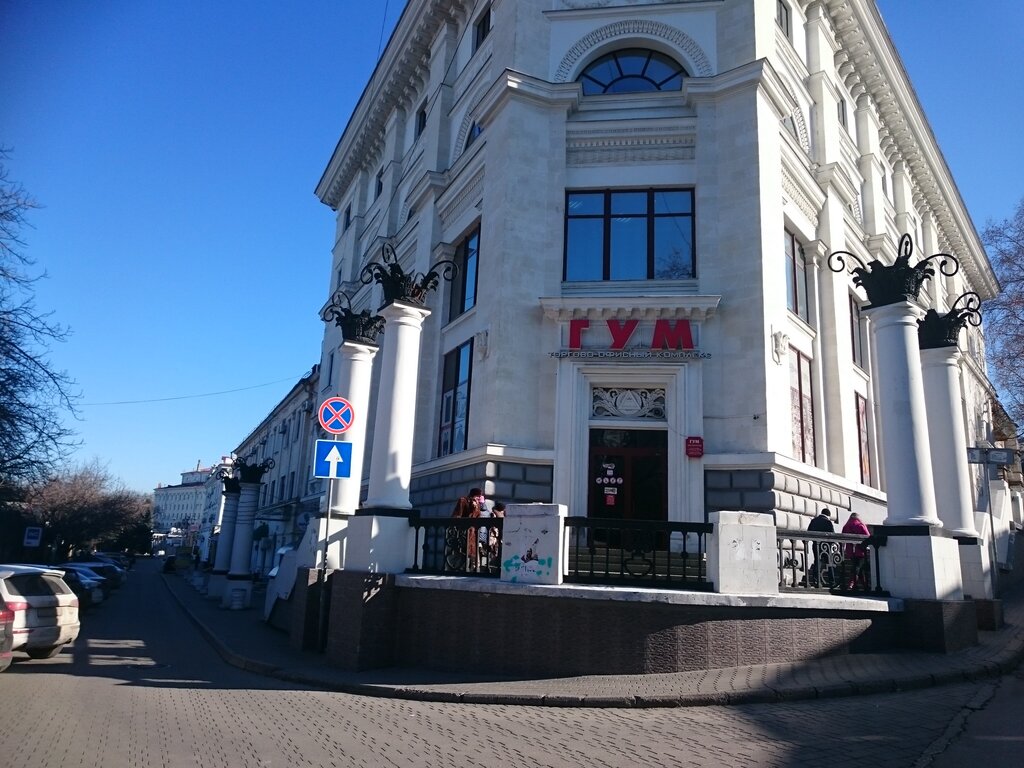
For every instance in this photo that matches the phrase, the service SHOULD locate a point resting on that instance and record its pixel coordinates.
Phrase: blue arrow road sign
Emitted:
(332, 459)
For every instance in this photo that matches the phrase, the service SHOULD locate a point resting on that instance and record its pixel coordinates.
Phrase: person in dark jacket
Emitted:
(822, 523)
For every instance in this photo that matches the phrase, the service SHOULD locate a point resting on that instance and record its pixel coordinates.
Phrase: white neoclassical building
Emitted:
(180, 507)
(642, 198)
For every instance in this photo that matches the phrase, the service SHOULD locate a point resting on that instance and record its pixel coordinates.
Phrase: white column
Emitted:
(356, 369)
(393, 428)
(905, 452)
(226, 538)
(948, 441)
(241, 549)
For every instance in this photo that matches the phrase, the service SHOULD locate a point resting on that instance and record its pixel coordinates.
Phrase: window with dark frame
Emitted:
(463, 291)
(481, 29)
(802, 405)
(330, 369)
(379, 186)
(841, 109)
(348, 217)
(453, 425)
(782, 18)
(796, 278)
(632, 70)
(474, 131)
(864, 445)
(635, 234)
(421, 120)
(856, 331)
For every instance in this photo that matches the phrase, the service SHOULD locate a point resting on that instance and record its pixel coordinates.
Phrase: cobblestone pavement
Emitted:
(142, 688)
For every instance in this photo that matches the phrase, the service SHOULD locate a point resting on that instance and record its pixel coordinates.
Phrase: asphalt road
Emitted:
(142, 688)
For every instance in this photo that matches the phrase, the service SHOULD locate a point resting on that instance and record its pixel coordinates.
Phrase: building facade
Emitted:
(288, 496)
(642, 200)
(178, 509)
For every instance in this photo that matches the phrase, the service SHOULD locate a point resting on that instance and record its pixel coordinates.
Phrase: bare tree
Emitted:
(1004, 315)
(33, 441)
(85, 506)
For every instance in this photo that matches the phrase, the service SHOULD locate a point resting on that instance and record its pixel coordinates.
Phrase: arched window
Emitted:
(632, 70)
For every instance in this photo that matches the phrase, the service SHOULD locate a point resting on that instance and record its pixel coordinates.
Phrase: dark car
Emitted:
(109, 571)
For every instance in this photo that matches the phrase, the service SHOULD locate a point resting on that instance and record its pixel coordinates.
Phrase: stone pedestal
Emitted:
(975, 568)
(919, 562)
(395, 422)
(363, 627)
(533, 543)
(743, 553)
(304, 633)
(379, 543)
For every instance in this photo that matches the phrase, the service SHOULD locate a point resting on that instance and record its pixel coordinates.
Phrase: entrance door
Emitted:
(628, 474)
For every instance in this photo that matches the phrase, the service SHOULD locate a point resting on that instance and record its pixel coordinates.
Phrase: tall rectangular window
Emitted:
(856, 331)
(482, 29)
(348, 217)
(782, 17)
(643, 234)
(802, 404)
(463, 296)
(455, 385)
(863, 444)
(796, 278)
(378, 186)
(330, 369)
(421, 120)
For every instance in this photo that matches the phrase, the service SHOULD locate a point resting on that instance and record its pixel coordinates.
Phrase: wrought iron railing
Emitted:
(844, 563)
(668, 555)
(463, 546)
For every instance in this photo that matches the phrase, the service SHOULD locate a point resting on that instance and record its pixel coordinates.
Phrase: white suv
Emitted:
(45, 609)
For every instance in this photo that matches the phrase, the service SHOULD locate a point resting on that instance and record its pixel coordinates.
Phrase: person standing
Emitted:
(857, 554)
(486, 508)
(821, 523)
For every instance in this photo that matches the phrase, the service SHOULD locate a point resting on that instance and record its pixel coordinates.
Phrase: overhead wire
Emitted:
(193, 397)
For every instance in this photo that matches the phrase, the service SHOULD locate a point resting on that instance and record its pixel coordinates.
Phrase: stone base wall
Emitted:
(793, 500)
(460, 631)
(435, 494)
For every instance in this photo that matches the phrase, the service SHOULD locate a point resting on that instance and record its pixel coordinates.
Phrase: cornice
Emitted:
(395, 81)
(562, 308)
(872, 66)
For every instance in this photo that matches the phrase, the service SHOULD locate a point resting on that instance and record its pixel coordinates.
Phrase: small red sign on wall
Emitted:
(695, 447)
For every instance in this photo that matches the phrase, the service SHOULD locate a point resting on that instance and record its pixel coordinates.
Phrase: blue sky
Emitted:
(175, 147)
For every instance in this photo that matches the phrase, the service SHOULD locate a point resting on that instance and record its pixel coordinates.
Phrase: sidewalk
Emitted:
(244, 640)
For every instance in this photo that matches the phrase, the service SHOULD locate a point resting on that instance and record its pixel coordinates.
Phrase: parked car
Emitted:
(116, 574)
(105, 583)
(122, 559)
(89, 590)
(45, 609)
(6, 637)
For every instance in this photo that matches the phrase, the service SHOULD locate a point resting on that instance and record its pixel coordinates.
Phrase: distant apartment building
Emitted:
(178, 509)
(289, 496)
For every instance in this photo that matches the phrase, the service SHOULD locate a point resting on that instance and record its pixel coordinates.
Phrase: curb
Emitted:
(1008, 659)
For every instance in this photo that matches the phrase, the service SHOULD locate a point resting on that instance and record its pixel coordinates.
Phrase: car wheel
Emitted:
(44, 653)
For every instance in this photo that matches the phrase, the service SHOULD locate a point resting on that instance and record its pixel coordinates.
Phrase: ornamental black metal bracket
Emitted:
(227, 476)
(399, 286)
(935, 331)
(358, 327)
(896, 282)
(252, 473)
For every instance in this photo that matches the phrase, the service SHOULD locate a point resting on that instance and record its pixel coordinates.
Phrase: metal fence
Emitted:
(669, 555)
(829, 562)
(467, 546)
